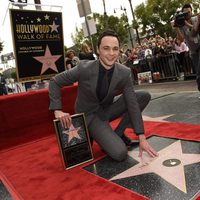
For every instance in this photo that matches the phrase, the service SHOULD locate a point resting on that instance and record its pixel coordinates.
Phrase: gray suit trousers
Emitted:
(101, 131)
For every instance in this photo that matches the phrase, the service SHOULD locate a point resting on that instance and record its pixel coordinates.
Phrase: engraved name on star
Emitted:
(48, 60)
(54, 27)
(169, 165)
(72, 132)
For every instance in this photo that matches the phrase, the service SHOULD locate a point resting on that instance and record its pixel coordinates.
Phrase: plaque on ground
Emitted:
(173, 175)
(74, 142)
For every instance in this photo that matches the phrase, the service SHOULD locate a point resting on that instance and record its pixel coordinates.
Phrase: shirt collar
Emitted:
(102, 68)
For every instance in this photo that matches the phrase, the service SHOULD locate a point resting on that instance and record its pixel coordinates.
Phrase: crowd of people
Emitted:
(164, 55)
(154, 54)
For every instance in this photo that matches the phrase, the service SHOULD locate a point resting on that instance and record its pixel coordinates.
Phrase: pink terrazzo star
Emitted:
(174, 174)
(48, 60)
(157, 119)
(72, 132)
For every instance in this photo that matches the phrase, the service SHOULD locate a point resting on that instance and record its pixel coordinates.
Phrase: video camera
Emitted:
(179, 18)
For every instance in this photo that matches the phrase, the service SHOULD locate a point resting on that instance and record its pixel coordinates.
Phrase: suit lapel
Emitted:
(114, 80)
(94, 73)
(113, 83)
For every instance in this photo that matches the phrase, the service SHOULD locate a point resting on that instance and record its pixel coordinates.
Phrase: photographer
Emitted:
(197, 25)
(188, 31)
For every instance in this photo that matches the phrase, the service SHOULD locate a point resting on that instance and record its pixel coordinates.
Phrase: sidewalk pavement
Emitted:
(176, 101)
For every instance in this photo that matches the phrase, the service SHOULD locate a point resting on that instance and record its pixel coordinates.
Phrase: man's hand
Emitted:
(65, 118)
(189, 25)
(145, 146)
(196, 25)
(179, 35)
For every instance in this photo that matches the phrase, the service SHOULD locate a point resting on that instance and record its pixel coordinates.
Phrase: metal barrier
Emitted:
(171, 66)
(165, 64)
(184, 63)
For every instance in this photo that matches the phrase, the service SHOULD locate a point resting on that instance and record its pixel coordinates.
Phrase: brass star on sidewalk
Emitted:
(169, 165)
(48, 60)
(72, 132)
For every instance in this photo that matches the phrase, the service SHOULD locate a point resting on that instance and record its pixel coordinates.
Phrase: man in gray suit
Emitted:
(99, 82)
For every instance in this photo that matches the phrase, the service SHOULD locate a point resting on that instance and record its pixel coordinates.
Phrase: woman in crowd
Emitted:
(71, 59)
(86, 53)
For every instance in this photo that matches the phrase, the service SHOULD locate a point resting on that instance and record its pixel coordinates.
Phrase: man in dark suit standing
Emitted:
(99, 82)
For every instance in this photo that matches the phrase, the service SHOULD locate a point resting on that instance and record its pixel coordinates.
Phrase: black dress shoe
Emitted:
(129, 142)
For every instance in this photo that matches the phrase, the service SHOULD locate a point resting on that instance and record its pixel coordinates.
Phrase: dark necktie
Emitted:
(104, 86)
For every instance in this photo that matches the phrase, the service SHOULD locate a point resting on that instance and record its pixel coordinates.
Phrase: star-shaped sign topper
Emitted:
(54, 27)
(72, 132)
(48, 60)
(169, 165)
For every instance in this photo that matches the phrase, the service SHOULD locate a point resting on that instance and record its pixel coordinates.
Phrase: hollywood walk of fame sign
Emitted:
(173, 175)
(38, 44)
(74, 142)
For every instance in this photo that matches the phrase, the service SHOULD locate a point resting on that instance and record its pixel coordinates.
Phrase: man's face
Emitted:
(189, 13)
(108, 51)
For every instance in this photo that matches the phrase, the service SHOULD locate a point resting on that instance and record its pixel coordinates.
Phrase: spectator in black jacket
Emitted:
(86, 53)
(3, 89)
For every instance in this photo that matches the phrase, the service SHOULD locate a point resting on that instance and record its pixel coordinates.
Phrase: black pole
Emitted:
(137, 34)
(37, 2)
(87, 25)
(129, 31)
(105, 15)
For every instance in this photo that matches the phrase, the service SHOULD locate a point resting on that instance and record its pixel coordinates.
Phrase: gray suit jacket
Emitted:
(86, 73)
